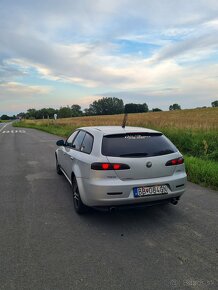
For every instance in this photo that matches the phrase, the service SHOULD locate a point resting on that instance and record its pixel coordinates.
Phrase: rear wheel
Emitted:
(58, 168)
(79, 206)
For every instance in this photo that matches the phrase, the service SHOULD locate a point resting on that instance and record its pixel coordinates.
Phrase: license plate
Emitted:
(150, 190)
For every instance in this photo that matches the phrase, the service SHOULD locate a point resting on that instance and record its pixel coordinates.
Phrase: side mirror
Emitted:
(60, 143)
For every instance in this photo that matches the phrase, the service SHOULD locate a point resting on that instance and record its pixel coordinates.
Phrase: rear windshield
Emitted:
(137, 145)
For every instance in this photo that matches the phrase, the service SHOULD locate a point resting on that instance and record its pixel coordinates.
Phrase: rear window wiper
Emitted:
(134, 155)
(163, 152)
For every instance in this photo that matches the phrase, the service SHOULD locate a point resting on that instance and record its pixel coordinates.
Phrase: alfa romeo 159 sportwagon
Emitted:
(111, 167)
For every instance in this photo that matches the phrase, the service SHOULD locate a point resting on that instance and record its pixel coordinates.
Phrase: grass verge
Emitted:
(200, 149)
(203, 172)
(5, 121)
(63, 131)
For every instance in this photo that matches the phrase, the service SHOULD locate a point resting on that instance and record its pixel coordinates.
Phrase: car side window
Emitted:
(71, 138)
(87, 143)
(78, 140)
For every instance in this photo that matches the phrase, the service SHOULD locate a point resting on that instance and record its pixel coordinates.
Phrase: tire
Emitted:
(79, 206)
(58, 168)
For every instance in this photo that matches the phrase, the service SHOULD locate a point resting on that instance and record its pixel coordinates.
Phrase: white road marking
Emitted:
(14, 131)
(4, 127)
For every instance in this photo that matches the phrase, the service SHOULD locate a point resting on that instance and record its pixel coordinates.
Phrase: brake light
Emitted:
(109, 166)
(176, 161)
(116, 166)
(105, 166)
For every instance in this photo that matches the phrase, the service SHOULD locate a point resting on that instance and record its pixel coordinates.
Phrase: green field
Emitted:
(4, 121)
(194, 132)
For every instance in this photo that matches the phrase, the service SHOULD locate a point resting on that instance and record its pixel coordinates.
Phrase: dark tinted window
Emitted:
(87, 144)
(78, 140)
(71, 138)
(137, 145)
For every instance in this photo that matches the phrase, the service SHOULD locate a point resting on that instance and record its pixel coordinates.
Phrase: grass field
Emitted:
(4, 121)
(194, 132)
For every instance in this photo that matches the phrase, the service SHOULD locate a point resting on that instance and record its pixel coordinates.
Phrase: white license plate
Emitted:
(150, 190)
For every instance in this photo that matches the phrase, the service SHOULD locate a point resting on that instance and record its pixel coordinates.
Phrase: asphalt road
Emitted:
(44, 244)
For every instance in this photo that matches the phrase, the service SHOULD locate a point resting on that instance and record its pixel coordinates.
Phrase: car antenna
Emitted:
(125, 120)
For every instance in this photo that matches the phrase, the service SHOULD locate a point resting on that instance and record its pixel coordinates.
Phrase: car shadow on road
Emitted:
(135, 218)
(157, 216)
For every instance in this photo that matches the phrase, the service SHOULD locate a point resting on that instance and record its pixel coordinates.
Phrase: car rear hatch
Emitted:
(145, 153)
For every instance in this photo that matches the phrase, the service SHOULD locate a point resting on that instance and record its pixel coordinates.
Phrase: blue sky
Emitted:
(55, 53)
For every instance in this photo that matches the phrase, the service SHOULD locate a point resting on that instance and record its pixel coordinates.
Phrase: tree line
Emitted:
(104, 106)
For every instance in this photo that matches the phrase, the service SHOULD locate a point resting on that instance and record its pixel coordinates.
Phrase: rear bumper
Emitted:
(115, 192)
(137, 205)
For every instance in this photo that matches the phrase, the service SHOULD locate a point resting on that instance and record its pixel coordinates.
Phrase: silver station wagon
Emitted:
(111, 167)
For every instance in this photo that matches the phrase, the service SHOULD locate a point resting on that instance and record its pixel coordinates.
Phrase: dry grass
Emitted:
(195, 119)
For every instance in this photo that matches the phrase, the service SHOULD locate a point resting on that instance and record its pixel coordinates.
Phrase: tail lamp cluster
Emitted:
(121, 166)
(176, 161)
(109, 166)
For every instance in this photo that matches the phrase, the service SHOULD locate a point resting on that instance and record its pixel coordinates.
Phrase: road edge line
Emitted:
(4, 126)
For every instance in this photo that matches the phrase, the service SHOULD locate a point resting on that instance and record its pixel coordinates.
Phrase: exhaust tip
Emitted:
(174, 201)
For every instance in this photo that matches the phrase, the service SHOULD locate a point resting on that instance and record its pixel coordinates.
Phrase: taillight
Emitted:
(105, 166)
(109, 166)
(176, 161)
(116, 166)
(180, 160)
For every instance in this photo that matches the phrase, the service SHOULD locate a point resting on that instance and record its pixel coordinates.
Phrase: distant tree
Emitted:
(42, 113)
(145, 107)
(156, 110)
(214, 104)
(204, 107)
(5, 117)
(65, 112)
(87, 112)
(76, 111)
(51, 112)
(174, 107)
(106, 106)
(31, 113)
(21, 115)
(136, 108)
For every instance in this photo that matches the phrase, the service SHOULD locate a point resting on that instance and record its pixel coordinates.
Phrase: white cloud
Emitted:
(18, 90)
(87, 100)
(16, 97)
(72, 43)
